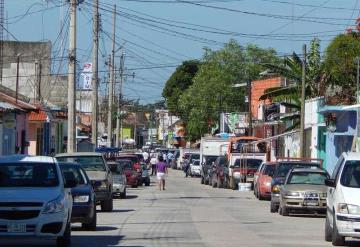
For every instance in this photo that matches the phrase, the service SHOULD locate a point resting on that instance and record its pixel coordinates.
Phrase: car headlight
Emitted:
(55, 206)
(81, 199)
(344, 208)
(292, 193)
(275, 189)
(323, 195)
(267, 183)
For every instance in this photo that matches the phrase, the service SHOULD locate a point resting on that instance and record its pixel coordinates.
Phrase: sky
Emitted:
(157, 35)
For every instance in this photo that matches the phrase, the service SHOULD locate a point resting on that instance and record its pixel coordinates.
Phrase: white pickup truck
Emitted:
(34, 201)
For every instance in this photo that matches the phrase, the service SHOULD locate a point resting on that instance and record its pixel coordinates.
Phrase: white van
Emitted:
(34, 202)
(343, 200)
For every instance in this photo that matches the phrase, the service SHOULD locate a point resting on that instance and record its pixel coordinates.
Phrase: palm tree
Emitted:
(291, 69)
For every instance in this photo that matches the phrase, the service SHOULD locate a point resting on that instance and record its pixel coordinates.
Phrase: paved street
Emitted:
(194, 215)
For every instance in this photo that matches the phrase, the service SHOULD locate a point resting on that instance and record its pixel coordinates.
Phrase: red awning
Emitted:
(38, 116)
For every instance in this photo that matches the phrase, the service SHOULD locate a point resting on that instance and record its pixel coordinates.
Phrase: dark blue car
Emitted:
(84, 203)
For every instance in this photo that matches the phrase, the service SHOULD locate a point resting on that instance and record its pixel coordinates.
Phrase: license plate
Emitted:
(16, 228)
(311, 202)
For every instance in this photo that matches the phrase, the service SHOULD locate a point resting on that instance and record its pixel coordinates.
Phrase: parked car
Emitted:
(136, 162)
(244, 170)
(343, 201)
(206, 169)
(84, 202)
(132, 176)
(219, 173)
(262, 187)
(281, 170)
(119, 179)
(99, 173)
(304, 190)
(35, 201)
(195, 168)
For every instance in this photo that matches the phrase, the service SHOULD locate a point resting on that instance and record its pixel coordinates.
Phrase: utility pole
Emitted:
(71, 142)
(17, 77)
(112, 83)
(302, 114)
(119, 136)
(357, 136)
(250, 110)
(95, 108)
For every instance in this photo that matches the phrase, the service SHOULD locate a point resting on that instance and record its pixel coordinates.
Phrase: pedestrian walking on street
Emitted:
(161, 170)
(186, 167)
(153, 161)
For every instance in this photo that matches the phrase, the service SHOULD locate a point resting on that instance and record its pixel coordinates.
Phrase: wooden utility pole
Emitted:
(302, 113)
(250, 109)
(17, 78)
(71, 142)
(112, 83)
(95, 63)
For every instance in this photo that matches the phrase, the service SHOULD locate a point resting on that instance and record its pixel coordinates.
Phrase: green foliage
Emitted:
(291, 69)
(340, 62)
(179, 81)
(212, 90)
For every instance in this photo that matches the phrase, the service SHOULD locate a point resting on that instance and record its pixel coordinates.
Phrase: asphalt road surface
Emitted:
(188, 214)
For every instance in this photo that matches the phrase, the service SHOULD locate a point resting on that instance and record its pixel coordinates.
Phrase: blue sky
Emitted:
(160, 34)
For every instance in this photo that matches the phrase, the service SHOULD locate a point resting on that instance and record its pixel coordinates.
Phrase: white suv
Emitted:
(343, 200)
(33, 199)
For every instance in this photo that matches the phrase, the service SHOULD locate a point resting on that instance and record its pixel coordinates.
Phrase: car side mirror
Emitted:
(71, 183)
(330, 182)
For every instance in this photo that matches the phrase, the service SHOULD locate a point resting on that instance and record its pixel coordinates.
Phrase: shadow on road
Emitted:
(131, 196)
(98, 228)
(96, 240)
(352, 243)
(122, 210)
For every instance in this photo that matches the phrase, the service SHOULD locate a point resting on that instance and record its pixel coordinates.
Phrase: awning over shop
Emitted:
(40, 116)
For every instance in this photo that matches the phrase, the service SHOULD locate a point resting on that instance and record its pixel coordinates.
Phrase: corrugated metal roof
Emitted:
(38, 116)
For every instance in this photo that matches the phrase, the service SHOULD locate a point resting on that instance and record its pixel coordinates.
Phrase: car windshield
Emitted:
(269, 170)
(28, 175)
(210, 159)
(315, 178)
(73, 173)
(196, 162)
(88, 163)
(284, 168)
(350, 176)
(249, 163)
(195, 156)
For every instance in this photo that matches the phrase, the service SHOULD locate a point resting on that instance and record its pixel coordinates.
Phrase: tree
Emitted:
(176, 85)
(212, 90)
(340, 66)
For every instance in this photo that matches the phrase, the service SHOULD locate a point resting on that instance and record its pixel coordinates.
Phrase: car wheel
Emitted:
(328, 230)
(337, 240)
(123, 194)
(107, 205)
(91, 226)
(202, 180)
(284, 211)
(273, 208)
(65, 240)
